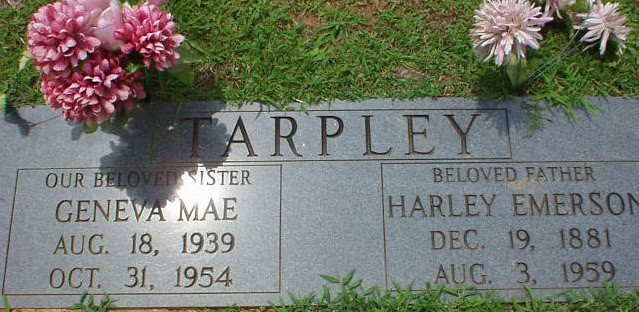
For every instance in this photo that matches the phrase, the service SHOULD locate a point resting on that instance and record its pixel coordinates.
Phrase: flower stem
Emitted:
(516, 74)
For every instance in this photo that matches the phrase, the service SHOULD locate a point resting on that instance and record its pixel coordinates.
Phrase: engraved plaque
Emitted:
(221, 206)
(549, 225)
(190, 240)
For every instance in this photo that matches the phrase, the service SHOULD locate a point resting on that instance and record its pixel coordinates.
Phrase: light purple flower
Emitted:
(604, 23)
(556, 6)
(505, 28)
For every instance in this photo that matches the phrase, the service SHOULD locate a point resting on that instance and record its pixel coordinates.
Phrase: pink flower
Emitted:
(95, 93)
(90, 7)
(59, 37)
(90, 4)
(604, 23)
(504, 28)
(150, 32)
(157, 2)
(108, 21)
(104, 16)
(53, 87)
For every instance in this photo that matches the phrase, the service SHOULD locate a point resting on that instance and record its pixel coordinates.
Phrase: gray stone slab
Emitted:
(243, 206)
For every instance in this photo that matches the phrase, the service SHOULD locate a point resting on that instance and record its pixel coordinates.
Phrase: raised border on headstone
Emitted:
(243, 206)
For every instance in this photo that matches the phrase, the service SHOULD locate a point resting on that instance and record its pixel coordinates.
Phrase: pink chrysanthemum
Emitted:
(504, 28)
(150, 31)
(156, 2)
(95, 93)
(604, 23)
(59, 39)
(52, 88)
(104, 17)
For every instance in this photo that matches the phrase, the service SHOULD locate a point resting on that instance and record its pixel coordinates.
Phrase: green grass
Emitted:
(282, 52)
(347, 294)
(350, 295)
(87, 303)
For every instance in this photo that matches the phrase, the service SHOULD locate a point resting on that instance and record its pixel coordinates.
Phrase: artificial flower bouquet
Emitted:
(505, 29)
(93, 55)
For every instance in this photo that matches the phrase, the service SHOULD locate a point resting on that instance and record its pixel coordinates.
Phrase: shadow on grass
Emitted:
(531, 113)
(494, 89)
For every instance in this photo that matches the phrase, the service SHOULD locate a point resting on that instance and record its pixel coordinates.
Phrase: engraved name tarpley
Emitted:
(323, 135)
(240, 135)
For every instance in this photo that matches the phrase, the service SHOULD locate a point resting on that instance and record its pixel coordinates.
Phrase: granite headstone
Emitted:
(219, 206)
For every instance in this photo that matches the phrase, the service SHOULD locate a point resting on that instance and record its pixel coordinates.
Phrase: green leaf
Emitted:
(183, 73)
(134, 67)
(84, 296)
(330, 279)
(90, 129)
(3, 103)
(581, 6)
(517, 73)
(24, 60)
(6, 107)
(326, 295)
(370, 291)
(121, 120)
(90, 302)
(178, 111)
(7, 305)
(189, 53)
(356, 284)
(106, 303)
(196, 46)
(348, 278)
(293, 298)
